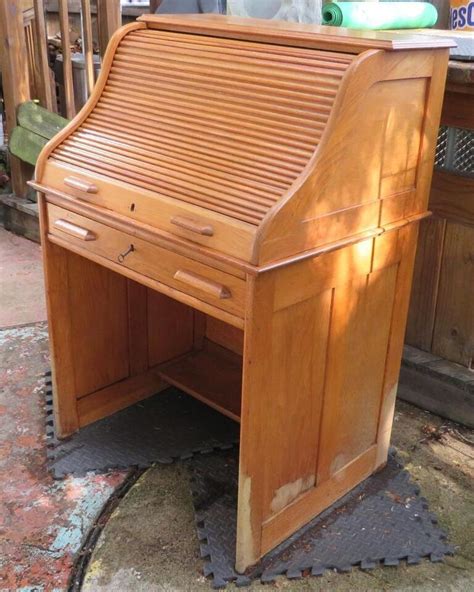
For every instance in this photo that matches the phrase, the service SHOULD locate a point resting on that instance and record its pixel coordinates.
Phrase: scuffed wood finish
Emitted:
(337, 415)
(254, 222)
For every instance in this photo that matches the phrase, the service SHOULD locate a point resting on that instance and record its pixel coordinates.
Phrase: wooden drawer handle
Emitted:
(74, 230)
(192, 225)
(196, 281)
(85, 186)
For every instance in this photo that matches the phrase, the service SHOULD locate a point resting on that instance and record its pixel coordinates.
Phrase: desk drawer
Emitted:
(186, 221)
(210, 285)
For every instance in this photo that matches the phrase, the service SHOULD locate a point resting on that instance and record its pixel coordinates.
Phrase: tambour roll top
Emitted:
(227, 126)
(216, 131)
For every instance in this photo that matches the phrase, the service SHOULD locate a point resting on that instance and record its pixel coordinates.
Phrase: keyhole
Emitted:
(132, 207)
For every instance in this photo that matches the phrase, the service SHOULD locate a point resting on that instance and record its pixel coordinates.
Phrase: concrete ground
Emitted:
(149, 543)
(42, 522)
(21, 281)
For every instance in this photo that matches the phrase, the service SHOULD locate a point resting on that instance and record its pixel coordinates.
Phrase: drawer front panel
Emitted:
(184, 220)
(213, 286)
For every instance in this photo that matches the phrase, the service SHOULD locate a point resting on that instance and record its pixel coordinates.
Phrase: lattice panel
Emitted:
(455, 150)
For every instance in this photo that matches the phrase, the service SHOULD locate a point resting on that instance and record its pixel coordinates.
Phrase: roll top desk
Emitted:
(235, 212)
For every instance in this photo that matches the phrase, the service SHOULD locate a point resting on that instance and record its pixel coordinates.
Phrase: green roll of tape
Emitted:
(380, 15)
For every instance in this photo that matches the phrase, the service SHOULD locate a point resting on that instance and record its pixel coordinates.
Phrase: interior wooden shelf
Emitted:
(212, 375)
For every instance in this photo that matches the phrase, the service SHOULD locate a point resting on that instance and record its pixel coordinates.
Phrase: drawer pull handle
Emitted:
(208, 286)
(85, 186)
(192, 225)
(73, 230)
(121, 257)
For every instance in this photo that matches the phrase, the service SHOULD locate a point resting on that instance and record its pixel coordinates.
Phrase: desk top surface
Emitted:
(296, 34)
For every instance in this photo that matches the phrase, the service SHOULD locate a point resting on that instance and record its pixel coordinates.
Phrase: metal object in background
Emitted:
(303, 11)
(191, 6)
(455, 151)
(79, 78)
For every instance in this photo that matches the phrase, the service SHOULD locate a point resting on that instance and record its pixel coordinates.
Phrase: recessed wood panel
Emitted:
(360, 327)
(293, 400)
(99, 324)
(170, 328)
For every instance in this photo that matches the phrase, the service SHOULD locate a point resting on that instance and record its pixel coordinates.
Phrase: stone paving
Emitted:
(42, 522)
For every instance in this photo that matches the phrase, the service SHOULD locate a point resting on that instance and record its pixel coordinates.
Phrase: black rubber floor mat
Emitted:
(168, 426)
(382, 521)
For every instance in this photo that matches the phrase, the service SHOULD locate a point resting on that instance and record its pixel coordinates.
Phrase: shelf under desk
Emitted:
(213, 375)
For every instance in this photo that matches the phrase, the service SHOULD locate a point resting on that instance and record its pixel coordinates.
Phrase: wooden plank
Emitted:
(46, 96)
(67, 64)
(225, 335)
(294, 400)
(407, 249)
(26, 145)
(424, 294)
(39, 120)
(99, 325)
(454, 327)
(170, 328)
(137, 327)
(212, 375)
(16, 83)
(118, 396)
(55, 263)
(452, 197)
(360, 330)
(109, 19)
(87, 44)
(457, 110)
(438, 396)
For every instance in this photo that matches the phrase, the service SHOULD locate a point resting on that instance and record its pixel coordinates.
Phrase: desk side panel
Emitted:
(321, 359)
(374, 164)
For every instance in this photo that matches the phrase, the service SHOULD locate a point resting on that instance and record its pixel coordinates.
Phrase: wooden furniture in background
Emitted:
(15, 80)
(26, 74)
(441, 318)
(248, 234)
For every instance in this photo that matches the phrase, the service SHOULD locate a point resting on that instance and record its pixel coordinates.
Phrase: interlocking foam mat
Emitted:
(168, 426)
(381, 522)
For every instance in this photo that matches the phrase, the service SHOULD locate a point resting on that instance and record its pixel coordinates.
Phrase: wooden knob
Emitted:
(74, 230)
(202, 283)
(192, 225)
(80, 184)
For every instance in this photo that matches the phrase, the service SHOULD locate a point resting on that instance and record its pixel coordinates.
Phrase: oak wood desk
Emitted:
(235, 212)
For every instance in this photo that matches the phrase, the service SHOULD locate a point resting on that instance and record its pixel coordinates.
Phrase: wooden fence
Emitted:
(26, 73)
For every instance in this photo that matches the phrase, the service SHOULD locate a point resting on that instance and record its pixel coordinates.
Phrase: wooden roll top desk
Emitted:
(235, 212)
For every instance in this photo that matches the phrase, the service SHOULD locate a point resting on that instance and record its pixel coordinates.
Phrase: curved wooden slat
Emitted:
(227, 126)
